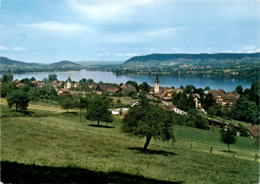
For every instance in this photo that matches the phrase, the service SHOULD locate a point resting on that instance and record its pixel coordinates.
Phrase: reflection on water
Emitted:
(166, 80)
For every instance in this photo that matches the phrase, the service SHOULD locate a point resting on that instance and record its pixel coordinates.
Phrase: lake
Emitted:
(165, 80)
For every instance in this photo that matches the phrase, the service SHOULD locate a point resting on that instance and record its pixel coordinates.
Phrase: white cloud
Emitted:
(15, 48)
(117, 54)
(19, 48)
(107, 10)
(3, 48)
(250, 48)
(138, 37)
(161, 32)
(56, 26)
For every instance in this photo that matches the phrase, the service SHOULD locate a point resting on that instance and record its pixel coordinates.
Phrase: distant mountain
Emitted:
(205, 56)
(191, 60)
(10, 62)
(98, 63)
(12, 66)
(64, 63)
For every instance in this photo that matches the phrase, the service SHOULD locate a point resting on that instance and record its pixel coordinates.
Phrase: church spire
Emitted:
(156, 84)
(157, 78)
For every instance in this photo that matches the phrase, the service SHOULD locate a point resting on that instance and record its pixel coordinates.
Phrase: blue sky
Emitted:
(115, 30)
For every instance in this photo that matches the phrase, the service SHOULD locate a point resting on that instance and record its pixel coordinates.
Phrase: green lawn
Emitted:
(60, 146)
(123, 100)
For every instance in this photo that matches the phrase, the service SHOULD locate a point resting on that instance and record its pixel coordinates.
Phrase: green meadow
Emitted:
(52, 146)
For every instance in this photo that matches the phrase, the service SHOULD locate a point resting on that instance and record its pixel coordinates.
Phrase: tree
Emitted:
(133, 83)
(207, 88)
(7, 77)
(215, 110)
(228, 136)
(52, 77)
(144, 87)
(97, 110)
(245, 110)
(239, 89)
(150, 122)
(208, 101)
(81, 104)
(6, 88)
(20, 99)
(27, 82)
(189, 89)
(183, 101)
(243, 130)
(254, 94)
(143, 100)
(67, 102)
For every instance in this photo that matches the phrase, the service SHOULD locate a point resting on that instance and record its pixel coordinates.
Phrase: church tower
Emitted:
(156, 84)
(69, 83)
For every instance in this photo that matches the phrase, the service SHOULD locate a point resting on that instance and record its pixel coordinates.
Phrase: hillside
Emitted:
(64, 63)
(170, 60)
(99, 63)
(10, 62)
(42, 149)
(229, 65)
(12, 66)
(202, 56)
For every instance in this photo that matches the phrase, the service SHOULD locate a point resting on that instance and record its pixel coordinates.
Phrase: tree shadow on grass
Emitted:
(12, 172)
(69, 113)
(100, 126)
(159, 152)
(226, 151)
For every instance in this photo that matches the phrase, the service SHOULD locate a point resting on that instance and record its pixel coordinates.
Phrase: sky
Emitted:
(48, 31)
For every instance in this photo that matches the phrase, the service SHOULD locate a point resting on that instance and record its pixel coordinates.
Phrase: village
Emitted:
(164, 96)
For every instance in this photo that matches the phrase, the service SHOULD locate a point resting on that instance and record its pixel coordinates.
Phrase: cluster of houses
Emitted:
(222, 98)
(166, 94)
(162, 93)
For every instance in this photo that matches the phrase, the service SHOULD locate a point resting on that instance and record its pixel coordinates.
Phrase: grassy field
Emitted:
(61, 149)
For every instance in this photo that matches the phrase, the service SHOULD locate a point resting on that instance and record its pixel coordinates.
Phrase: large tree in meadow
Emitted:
(228, 136)
(81, 103)
(20, 99)
(97, 110)
(148, 121)
(67, 102)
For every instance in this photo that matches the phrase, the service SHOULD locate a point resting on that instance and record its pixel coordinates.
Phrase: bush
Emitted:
(243, 131)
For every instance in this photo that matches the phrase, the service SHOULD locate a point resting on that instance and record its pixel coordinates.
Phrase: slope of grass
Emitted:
(61, 141)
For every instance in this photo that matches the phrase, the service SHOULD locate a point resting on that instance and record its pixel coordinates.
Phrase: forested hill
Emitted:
(12, 66)
(235, 65)
(194, 57)
(7, 61)
(193, 61)
(62, 63)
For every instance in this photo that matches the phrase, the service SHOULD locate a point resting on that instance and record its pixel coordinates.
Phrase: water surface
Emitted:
(165, 80)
